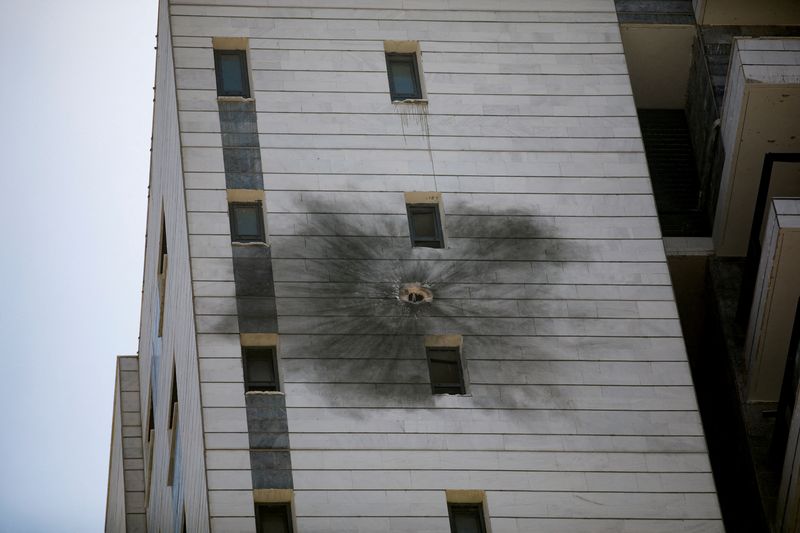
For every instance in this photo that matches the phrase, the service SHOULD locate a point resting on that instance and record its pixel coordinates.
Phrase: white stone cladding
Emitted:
(125, 509)
(581, 415)
(177, 346)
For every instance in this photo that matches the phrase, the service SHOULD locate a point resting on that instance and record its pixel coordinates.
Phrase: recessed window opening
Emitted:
(260, 369)
(231, 68)
(425, 226)
(172, 424)
(404, 81)
(174, 403)
(466, 518)
(247, 222)
(162, 260)
(446, 373)
(273, 518)
(151, 421)
(162, 274)
(151, 438)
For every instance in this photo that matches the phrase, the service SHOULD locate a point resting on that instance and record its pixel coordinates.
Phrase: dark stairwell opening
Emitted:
(673, 171)
(674, 92)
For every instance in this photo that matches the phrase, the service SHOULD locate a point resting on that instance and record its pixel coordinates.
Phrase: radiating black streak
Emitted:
(358, 310)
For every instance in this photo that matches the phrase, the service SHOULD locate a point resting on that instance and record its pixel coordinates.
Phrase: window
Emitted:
(247, 222)
(466, 518)
(172, 424)
(273, 518)
(447, 376)
(174, 403)
(425, 225)
(403, 76)
(150, 440)
(260, 369)
(231, 67)
(162, 274)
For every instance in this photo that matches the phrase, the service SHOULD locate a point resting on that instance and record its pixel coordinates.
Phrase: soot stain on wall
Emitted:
(350, 310)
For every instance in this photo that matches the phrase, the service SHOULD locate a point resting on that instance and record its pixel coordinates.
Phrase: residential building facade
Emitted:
(405, 268)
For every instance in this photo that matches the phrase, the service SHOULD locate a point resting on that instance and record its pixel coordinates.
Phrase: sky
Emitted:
(76, 87)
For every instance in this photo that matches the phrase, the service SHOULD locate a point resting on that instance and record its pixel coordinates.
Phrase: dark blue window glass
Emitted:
(466, 518)
(403, 76)
(247, 222)
(231, 66)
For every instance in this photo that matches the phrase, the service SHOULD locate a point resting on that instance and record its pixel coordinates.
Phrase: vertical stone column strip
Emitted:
(270, 462)
(241, 151)
(255, 289)
(255, 296)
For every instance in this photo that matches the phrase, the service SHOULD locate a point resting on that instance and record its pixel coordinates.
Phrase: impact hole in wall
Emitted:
(414, 293)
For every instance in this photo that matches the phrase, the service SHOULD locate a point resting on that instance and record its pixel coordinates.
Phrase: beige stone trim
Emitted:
(465, 496)
(418, 197)
(401, 47)
(258, 339)
(229, 43)
(245, 195)
(234, 99)
(443, 341)
(273, 495)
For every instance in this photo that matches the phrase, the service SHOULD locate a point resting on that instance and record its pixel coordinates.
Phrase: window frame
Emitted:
(245, 79)
(285, 507)
(446, 388)
(262, 386)
(472, 506)
(235, 235)
(413, 60)
(419, 242)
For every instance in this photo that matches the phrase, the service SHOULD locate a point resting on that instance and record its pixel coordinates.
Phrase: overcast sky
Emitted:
(76, 89)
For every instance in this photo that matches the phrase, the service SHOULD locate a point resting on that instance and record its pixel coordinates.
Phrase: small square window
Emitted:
(260, 370)
(466, 518)
(403, 76)
(273, 518)
(447, 376)
(426, 226)
(231, 67)
(247, 222)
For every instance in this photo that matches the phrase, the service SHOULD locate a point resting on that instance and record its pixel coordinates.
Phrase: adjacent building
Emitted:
(405, 270)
